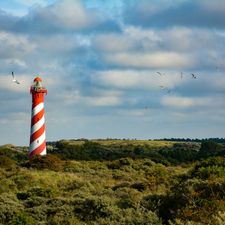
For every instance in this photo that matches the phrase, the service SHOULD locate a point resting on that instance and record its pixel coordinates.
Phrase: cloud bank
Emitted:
(115, 69)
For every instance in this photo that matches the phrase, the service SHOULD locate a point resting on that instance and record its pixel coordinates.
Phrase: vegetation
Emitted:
(116, 182)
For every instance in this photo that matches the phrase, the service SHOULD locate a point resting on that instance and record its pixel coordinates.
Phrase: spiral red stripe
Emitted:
(37, 134)
(37, 117)
(39, 150)
(37, 99)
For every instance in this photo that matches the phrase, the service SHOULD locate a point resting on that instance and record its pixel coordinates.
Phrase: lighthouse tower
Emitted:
(37, 131)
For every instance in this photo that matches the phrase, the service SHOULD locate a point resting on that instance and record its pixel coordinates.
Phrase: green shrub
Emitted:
(9, 207)
(22, 180)
(6, 162)
(17, 154)
(22, 219)
(140, 186)
(119, 163)
(93, 208)
(209, 148)
(7, 185)
(211, 167)
(51, 162)
(121, 185)
(127, 198)
(129, 216)
(34, 192)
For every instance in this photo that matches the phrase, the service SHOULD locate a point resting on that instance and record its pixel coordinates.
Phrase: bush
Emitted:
(6, 162)
(212, 167)
(140, 186)
(93, 208)
(9, 207)
(51, 162)
(7, 185)
(210, 148)
(129, 216)
(22, 219)
(17, 154)
(117, 164)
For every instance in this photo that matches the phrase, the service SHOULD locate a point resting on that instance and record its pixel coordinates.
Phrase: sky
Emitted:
(114, 69)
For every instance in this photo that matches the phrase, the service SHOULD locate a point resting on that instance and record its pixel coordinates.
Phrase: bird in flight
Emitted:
(159, 73)
(193, 76)
(181, 75)
(14, 79)
(168, 90)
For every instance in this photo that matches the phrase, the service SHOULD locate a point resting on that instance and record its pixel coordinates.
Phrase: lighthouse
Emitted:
(37, 131)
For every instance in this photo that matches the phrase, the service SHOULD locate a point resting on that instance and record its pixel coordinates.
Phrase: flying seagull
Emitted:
(14, 79)
(168, 90)
(159, 73)
(193, 76)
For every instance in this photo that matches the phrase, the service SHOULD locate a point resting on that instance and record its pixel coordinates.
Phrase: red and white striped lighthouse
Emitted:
(37, 131)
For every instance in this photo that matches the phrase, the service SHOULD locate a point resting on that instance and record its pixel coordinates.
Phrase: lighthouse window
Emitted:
(37, 141)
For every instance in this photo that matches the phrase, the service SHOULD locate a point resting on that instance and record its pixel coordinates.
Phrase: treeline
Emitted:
(175, 153)
(217, 140)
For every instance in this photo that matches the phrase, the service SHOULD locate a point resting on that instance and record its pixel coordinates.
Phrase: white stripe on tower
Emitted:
(37, 142)
(37, 125)
(37, 138)
(37, 109)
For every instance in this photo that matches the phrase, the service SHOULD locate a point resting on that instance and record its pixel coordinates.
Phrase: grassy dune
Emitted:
(137, 188)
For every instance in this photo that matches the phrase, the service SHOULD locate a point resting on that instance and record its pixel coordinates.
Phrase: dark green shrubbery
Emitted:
(9, 207)
(93, 208)
(22, 219)
(90, 150)
(36, 191)
(6, 162)
(210, 148)
(17, 154)
(211, 167)
(118, 164)
(51, 162)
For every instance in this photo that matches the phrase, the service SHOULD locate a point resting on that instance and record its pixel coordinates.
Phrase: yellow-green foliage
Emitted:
(137, 190)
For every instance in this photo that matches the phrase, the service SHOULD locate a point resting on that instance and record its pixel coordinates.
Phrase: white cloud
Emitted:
(25, 83)
(88, 72)
(31, 2)
(57, 44)
(151, 60)
(146, 7)
(134, 112)
(7, 84)
(187, 102)
(113, 43)
(101, 98)
(132, 79)
(16, 62)
(65, 14)
(177, 47)
(104, 101)
(213, 6)
(131, 39)
(13, 46)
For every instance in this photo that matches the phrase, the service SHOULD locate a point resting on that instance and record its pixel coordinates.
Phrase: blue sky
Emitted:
(99, 61)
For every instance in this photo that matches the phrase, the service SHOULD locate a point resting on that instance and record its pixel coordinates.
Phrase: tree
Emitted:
(210, 148)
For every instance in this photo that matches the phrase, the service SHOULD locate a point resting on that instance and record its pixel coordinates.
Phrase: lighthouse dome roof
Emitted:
(37, 79)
